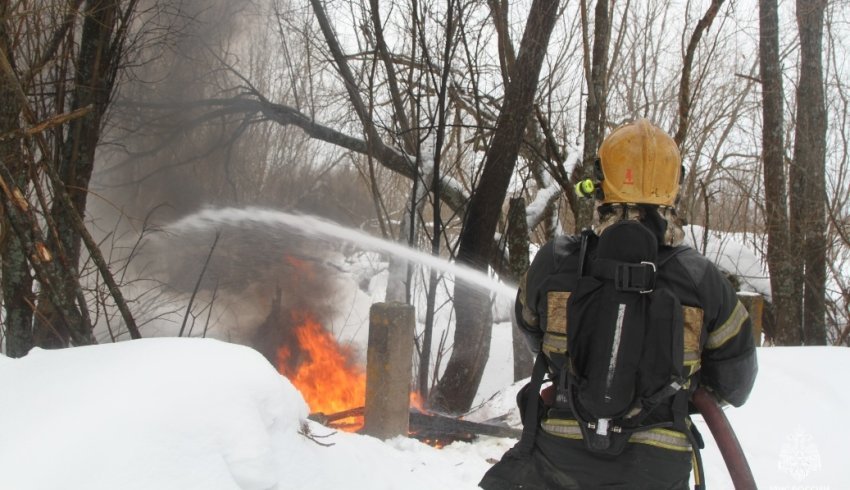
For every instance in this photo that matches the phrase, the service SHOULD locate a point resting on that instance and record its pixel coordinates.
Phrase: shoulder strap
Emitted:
(585, 238)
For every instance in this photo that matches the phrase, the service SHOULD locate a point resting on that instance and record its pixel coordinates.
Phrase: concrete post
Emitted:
(754, 303)
(389, 363)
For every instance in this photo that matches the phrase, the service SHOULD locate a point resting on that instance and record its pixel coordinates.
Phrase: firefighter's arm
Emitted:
(729, 364)
(526, 316)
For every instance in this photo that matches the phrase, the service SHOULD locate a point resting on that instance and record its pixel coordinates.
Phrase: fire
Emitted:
(303, 268)
(322, 370)
(331, 384)
(416, 402)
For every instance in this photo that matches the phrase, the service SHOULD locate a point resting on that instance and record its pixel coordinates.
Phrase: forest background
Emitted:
(456, 127)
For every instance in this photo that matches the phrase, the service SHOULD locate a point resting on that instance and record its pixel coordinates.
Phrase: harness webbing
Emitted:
(680, 438)
(532, 403)
(657, 436)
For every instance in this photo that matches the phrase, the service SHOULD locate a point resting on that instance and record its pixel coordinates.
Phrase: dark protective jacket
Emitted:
(719, 351)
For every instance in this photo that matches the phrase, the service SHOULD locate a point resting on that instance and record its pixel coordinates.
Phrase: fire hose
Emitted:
(727, 441)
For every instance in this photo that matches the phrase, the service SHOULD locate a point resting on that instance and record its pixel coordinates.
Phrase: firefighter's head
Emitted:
(638, 173)
(639, 163)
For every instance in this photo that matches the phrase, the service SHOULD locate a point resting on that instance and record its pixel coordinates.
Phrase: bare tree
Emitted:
(596, 71)
(472, 332)
(687, 65)
(372, 93)
(783, 274)
(807, 175)
(58, 75)
(838, 181)
(97, 62)
(18, 296)
(517, 239)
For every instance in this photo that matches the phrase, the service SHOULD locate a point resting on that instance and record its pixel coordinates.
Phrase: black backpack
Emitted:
(624, 340)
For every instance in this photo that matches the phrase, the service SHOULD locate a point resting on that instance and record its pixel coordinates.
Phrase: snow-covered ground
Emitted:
(168, 413)
(200, 414)
(203, 414)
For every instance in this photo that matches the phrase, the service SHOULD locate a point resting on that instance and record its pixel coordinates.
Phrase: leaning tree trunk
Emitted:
(687, 66)
(457, 387)
(780, 260)
(538, 134)
(809, 160)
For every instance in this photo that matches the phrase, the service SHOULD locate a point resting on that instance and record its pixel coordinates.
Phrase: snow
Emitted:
(185, 414)
(172, 413)
(178, 413)
(731, 252)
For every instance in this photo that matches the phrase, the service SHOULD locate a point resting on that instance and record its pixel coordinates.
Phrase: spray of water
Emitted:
(311, 226)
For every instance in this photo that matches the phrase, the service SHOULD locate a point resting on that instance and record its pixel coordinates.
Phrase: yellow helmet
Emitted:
(640, 163)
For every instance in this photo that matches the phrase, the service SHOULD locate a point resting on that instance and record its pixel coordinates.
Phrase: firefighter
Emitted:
(638, 174)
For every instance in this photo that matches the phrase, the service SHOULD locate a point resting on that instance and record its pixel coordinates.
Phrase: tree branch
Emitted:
(687, 66)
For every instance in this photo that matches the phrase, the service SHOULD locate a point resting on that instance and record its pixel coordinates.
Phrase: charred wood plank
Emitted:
(442, 423)
(433, 423)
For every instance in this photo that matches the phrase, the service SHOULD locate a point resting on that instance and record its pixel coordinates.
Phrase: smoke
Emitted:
(159, 153)
(170, 153)
(259, 277)
(161, 161)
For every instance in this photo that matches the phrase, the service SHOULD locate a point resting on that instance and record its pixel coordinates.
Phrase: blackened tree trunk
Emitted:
(16, 278)
(809, 199)
(96, 65)
(784, 280)
(459, 383)
(517, 237)
(597, 90)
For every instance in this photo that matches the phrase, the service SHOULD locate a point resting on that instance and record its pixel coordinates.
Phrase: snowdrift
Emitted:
(204, 414)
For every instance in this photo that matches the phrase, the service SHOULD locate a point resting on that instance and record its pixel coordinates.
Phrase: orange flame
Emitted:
(325, 376)
(416, 402)
(320, 368)
(303, 268)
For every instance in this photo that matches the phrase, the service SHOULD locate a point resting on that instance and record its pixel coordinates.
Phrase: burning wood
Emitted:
(432, 428)
(332, 383)
(444, 423)
(321, 369)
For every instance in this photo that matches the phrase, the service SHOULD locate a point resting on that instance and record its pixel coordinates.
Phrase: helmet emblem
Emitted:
(629, 179)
